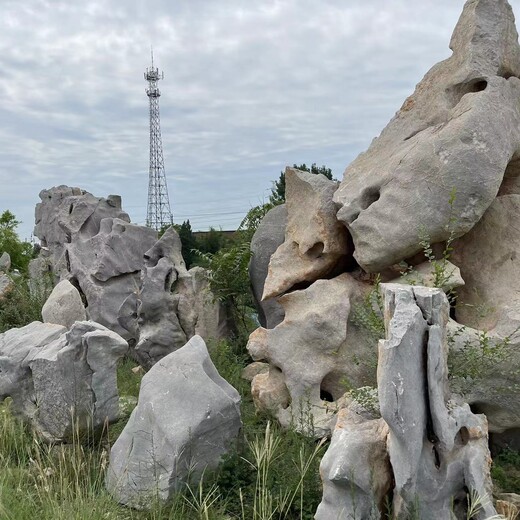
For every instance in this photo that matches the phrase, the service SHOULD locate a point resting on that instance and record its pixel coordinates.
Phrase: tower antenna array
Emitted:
(158, 213)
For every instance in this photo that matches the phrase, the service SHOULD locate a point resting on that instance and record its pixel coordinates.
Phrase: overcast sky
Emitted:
(248, 88)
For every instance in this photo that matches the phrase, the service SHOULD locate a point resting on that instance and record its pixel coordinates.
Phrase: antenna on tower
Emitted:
(158, 214)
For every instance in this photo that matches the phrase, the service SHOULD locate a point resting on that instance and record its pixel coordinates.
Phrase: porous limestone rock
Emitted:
(437, 446)
(458, 133)
(65, 213)
(316, 354)
(170, 305)
(424, 274)
(485, 371)
(107, 268)
(62, 382)
(186, 418)
(316, 244)
(5, 262)
(355, 470)
(489, 259)
(64, 306)
(159, 330)
(269, 235)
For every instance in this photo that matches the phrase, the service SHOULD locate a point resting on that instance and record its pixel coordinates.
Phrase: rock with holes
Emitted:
(269, 235)
(316, 244)
(452, 141)
(438, 448)
(64, 306)
(159, 329)
(186, 419)
(355, 470)
(62, 382)
(315, 355)
(107, 267)
(65, 213)
(170, 304)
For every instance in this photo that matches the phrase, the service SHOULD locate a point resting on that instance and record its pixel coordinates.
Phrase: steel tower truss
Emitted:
(158, 213)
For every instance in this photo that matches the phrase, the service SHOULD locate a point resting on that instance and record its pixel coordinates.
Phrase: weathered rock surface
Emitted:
(315, 242)
(158, 324)
(5, 284)
(485, 371)
(316, 354)
(460, 130)
(60, 380)
(269, 235)
(185, 420)
(489, 259)
(65, 213)
(64, 306)
(438, 447)
(107, 267)
(424, 275)
(199, 313)
(355, 470)
(5, 262)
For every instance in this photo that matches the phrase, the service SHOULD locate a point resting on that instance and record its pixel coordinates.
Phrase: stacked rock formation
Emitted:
(5, 279)
(441, 181)
(430, 450)
(129, 281)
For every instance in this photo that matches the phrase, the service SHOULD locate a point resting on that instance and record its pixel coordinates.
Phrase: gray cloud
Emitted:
(249, 87)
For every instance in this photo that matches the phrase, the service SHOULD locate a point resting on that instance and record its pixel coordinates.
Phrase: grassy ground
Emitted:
(270, 473)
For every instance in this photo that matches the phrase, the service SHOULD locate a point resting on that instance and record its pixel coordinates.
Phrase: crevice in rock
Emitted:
(316, 250)
(511, 181)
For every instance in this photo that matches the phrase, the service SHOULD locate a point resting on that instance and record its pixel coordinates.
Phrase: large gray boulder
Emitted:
(269, 235)
(62, 382)
(459, 132)
(75, 383)
(186, 418)
(64, 306)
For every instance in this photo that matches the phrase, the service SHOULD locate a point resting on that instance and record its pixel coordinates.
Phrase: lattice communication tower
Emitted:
(158, 212)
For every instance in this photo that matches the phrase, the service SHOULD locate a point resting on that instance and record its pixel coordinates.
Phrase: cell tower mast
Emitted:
(158, 213)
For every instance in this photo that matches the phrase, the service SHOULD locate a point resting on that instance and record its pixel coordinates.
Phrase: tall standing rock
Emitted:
(459, 132)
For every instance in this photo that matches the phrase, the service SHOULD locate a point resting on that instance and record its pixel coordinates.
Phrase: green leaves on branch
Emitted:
(20, 252)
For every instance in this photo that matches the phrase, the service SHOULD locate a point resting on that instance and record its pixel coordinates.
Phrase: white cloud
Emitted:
(248, 88)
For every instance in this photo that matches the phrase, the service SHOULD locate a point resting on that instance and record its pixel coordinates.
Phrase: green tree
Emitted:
(189, 242)
(19, 251)
(211, 242)
(278, 190)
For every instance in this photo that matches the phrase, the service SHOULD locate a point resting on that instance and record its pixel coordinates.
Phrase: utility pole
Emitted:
(158, 213)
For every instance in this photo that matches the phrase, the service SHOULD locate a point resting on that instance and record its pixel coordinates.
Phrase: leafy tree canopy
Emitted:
(19, 251)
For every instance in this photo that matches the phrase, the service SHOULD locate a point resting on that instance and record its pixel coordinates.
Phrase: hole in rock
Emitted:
(71, 207)
(463, 436)
(316, 250)
(369, 196)
(457, 92)
(326, 396)
(511, 181)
